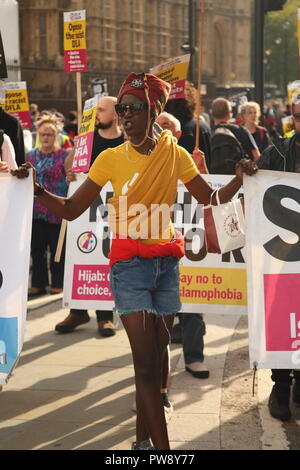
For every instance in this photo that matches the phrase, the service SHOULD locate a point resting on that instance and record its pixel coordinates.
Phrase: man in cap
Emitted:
(284, 155)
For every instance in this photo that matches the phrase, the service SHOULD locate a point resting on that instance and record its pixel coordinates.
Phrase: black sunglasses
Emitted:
(135, 108)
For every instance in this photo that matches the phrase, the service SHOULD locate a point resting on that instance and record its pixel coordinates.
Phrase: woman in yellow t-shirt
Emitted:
(145, 248)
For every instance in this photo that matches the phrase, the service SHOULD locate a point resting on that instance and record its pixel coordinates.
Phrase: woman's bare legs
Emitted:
(149, 336)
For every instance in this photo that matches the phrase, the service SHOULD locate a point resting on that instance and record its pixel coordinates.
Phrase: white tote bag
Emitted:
(224, 226)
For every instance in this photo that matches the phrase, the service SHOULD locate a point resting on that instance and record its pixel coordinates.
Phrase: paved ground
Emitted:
(75, 392)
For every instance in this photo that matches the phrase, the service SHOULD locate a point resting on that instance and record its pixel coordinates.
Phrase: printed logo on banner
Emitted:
(282, 311)
(87, 242)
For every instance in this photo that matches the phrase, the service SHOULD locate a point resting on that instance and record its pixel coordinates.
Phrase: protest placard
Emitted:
(273, 269)
(17, 103)
(15, 236)
(174, 71)
(293, 89)
(287, 124)
(84, 146)
(75, 41)
(210, 283)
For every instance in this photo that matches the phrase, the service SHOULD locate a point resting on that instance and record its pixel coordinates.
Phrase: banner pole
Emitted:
(200, 70)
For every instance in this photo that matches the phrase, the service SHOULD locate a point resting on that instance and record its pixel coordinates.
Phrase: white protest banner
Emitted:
(15, 235)
(210, 283)
(84, 145)
(273, 264)
(175, 72)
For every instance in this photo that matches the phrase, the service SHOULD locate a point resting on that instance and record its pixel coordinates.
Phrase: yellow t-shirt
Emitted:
(123, 165)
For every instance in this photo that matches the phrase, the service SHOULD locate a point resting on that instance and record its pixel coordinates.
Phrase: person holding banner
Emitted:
(145, 251)
(284, 155)
(13, 129)
(49, 161)
(7, 154)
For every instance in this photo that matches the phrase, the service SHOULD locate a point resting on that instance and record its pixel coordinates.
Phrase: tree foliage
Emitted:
(281, 45)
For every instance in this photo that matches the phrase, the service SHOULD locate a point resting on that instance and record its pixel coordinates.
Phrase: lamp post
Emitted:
(189, 47)
(262, 7)
(259, 53)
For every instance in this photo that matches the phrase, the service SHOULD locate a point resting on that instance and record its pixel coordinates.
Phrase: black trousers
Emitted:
(105, 315)
(285, 375)
(44, 236)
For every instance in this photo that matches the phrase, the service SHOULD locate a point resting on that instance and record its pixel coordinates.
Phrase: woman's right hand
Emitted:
(70, 176)
(22, 172)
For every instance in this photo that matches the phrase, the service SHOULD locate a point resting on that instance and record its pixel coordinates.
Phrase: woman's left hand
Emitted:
(245, 166)
(4, 167)
(200, 162)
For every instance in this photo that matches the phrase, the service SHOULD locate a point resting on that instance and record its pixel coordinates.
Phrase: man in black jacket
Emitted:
(221, 113)
(284, 155)
(13, 129)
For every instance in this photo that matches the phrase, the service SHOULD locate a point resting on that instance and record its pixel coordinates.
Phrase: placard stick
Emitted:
(60, 243)
(79, 98)
(200, 70)
(63, 229)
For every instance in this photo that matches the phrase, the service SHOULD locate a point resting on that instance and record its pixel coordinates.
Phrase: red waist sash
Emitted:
(126, 248)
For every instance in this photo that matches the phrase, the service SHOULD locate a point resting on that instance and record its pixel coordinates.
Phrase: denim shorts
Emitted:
(146, 284)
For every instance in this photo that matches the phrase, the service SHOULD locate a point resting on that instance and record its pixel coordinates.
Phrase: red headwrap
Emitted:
(142, 84)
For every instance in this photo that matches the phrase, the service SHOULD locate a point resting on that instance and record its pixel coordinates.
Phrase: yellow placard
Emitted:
(16, 101)
(173, 70)
(88, 121)
(213, 286)
(174, 73)
(75, 35)
(293, 90)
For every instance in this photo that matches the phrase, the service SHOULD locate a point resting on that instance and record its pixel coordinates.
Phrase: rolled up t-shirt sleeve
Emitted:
(102, 169)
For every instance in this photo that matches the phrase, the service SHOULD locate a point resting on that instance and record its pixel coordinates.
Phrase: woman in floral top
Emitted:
(49, 161)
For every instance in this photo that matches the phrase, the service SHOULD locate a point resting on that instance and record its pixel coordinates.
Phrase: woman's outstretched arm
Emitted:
(68, 208)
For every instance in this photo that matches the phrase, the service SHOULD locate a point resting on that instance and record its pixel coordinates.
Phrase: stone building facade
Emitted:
(130, 35)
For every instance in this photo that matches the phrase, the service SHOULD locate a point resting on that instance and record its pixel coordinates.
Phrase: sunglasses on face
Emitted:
(134, 108)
